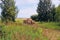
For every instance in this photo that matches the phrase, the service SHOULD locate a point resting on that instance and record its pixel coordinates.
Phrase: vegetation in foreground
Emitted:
(20, 31)
(50, 25)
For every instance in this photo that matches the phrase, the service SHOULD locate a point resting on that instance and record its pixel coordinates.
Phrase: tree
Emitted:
(9, 10)
(44, 10)
(57, 16)
(53, 13)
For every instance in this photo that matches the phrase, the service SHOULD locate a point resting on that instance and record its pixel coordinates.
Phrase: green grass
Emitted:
(22, 29)
(51, 25)
(30, 32)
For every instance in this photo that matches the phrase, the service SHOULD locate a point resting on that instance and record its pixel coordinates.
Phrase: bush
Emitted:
(34, 17)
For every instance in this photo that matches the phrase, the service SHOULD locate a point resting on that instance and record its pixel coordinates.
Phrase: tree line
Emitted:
(47, 12)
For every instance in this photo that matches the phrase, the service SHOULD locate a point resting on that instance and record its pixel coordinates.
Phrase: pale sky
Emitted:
(28, 7)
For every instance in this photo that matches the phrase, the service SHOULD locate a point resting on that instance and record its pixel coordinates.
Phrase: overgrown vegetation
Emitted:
(50, 25)
(48, 17)
(11, 31)
(25, 32)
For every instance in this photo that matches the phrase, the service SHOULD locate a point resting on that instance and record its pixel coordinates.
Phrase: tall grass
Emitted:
(51, 25)
(11, 31)
(24, 31)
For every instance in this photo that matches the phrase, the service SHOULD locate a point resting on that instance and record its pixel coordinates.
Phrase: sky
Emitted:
(28, 7)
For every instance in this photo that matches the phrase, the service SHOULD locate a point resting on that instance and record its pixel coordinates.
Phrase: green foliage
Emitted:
(9, 10)
(53, 13)
(51, 25)
(57, 16)
(30, 32)
(34, 17)
(48, 12)
(44, 10)
(22, 29)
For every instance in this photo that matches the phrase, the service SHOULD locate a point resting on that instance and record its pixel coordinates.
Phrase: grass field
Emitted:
(50, 25)
(21, 31)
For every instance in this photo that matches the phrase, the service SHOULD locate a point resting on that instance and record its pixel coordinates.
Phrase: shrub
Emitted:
(34, 17)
